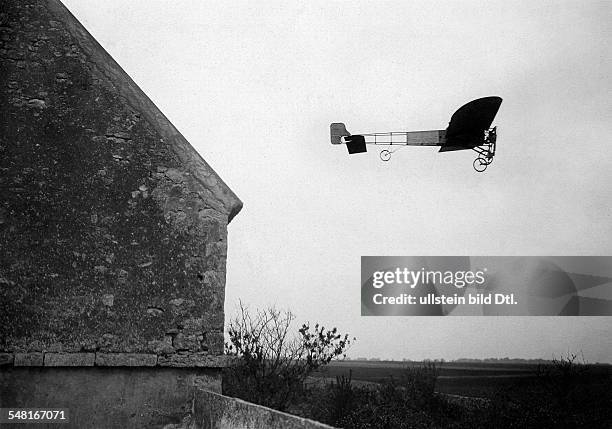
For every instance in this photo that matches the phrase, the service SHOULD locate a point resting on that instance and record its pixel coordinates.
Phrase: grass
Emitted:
(359, 395)
(455, 378)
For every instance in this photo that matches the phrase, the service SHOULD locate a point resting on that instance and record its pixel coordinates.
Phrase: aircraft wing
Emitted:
(468, 124)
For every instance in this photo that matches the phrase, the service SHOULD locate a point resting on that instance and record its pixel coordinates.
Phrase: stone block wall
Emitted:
(113, 229)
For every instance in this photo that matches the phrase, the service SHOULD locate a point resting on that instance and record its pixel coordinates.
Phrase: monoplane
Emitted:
(469, 129)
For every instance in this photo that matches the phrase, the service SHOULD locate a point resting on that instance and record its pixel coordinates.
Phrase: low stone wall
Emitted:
(214, 411)
(107, 397)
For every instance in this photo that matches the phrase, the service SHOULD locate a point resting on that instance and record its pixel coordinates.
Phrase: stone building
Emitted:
(113, 235)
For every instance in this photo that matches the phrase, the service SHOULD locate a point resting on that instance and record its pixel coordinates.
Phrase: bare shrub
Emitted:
(275, 362)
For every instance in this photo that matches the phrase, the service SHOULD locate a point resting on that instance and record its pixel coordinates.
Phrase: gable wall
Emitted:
(113, 231)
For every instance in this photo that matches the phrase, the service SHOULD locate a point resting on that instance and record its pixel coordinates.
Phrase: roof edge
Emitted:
(136, 97)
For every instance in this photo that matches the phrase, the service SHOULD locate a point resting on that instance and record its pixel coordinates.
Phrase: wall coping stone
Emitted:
(125, 359)
(52, 359)
(6, 359)
(69, 359)
(192, 360)
(28, 359)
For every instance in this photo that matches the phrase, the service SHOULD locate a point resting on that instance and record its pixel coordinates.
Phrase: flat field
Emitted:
(476, 379)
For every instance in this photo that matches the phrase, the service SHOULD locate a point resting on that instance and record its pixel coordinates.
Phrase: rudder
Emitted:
(337, 131)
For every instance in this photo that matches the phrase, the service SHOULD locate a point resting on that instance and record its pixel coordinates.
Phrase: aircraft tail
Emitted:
(337, 131)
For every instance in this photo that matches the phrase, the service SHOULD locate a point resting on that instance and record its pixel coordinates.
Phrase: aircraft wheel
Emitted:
(385, 155)
(480, 164)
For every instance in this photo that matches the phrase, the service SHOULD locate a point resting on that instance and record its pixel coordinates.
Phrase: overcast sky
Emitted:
(254, 87)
